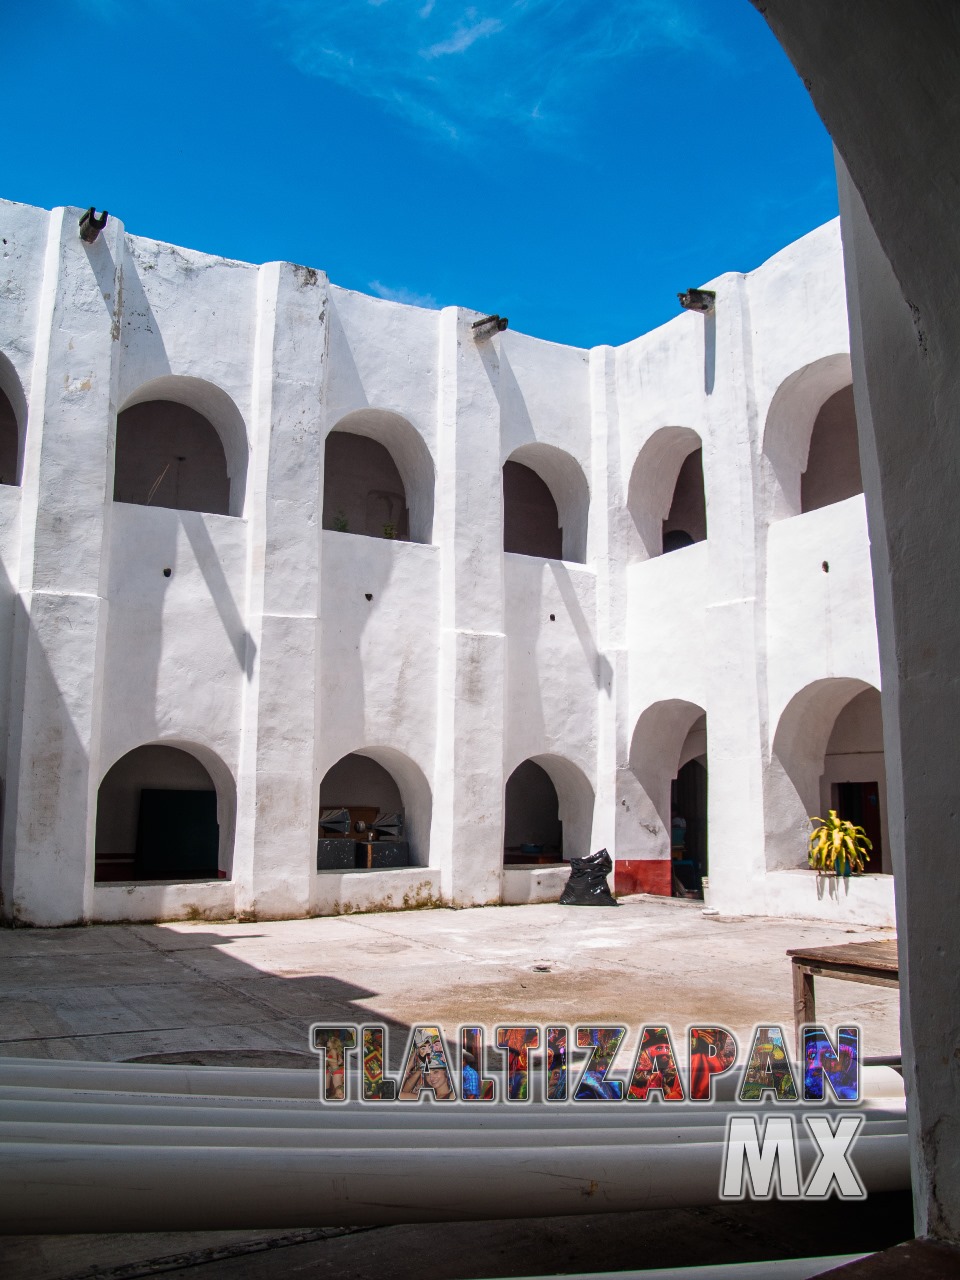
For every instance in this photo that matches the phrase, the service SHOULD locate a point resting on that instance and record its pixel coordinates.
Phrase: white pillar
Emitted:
(606, 545)
(735, 619)
(905, 387)
(57, 661)
(467, 834)
(275, 853)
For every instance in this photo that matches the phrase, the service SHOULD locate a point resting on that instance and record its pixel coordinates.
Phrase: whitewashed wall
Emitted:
(273, 648)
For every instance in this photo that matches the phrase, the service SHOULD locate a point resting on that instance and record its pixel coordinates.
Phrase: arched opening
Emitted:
(165, 813)
(548, 812)
(827, 754)
(533, 832)
(362, 488)
(531, 523)
(668, 758)
(666, 496)
(810, 450)
(181, 443)
(546, 503)
(378, 478)
(833, 461)
(688, 828)
(374, 813)
(853, 780)
(13, 417)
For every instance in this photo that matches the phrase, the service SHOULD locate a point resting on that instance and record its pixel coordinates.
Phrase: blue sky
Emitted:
(569, 163)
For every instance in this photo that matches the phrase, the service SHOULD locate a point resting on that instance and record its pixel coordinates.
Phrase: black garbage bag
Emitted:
(587, 886)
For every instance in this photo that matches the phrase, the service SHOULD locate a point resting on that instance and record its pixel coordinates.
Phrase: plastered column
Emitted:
(467, 834)
(906, 389)
(605, 550)
(734, 638)
(275, 854)
(57, 662)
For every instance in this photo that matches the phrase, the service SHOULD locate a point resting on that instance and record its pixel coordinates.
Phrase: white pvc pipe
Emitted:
(125, 1147)
(213, 1134)
(275, 1082)
(59, 1188)
(781, 1269)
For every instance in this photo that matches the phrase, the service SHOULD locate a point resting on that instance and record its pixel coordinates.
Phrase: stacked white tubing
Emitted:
(785, 1269)
(134, 1147)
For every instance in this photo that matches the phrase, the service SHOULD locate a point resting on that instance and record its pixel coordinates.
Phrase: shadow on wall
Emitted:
(165, 813)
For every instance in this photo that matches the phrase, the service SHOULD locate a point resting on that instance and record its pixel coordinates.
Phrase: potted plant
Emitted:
(838, 847)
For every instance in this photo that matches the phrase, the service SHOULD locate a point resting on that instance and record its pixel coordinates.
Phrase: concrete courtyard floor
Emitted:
(246, 994)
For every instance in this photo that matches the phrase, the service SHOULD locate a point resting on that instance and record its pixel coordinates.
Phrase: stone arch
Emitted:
(13, 423)
(793, 789)
(567, 486)
(383, 778)
(574, 798)
(666, 491)
(794, 412)
(668, 736)
(391, 448)
(181, 443)
(153, 825)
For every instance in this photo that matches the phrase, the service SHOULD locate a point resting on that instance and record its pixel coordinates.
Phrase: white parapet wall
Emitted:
(289, 546)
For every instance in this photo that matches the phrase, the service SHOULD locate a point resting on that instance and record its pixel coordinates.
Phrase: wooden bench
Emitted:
(874, 963)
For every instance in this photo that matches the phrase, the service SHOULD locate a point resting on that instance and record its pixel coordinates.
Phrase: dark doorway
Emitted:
(688, 802)
(178, 836)
(157, 819)
(859, 803)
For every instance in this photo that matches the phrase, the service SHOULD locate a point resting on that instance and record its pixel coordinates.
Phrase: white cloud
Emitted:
(406, 296)
(462, 70)
(463, 38)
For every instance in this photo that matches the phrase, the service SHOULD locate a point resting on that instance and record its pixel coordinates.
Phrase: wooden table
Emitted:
(875, 963)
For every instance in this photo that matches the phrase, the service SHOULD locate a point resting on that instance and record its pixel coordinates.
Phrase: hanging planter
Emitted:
(837, 847)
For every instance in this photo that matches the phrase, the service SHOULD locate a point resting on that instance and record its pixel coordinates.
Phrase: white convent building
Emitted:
(272, 551)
